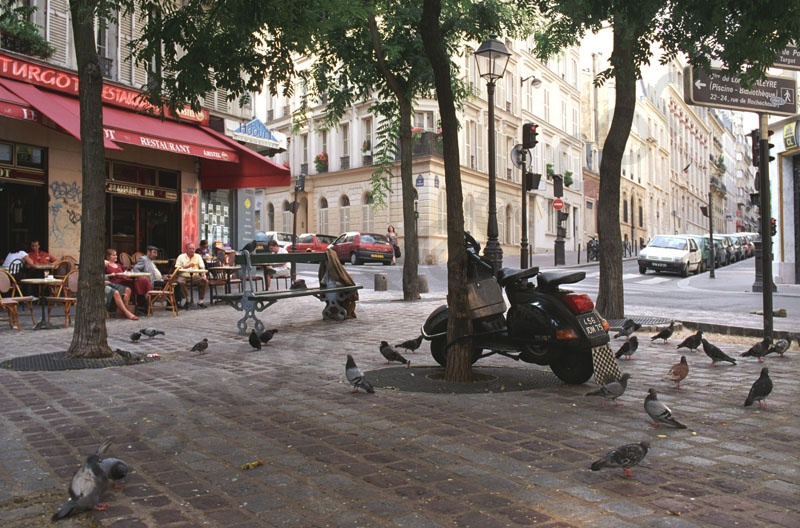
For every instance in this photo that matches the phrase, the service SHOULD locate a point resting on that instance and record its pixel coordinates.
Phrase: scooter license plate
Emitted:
(592, 324)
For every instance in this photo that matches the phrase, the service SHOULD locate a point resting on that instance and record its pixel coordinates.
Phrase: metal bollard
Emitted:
(423, 283)
(381, 284)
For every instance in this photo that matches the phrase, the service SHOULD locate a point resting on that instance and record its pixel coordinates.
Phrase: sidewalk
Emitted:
(186, 424)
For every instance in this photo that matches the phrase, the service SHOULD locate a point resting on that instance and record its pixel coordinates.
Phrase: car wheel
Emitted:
(574, 368)
(685, 270)
(354, 259)
(642, 269)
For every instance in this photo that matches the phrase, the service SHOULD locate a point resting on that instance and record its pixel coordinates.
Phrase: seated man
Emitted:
(280, 269)
(36, 256)
(14, 255)
(190, 260)
(145, 264)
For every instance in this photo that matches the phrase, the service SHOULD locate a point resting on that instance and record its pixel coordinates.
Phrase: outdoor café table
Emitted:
(228, 271)
(192, 271)
(49, 282)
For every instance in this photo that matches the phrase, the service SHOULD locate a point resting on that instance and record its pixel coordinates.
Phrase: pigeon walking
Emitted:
(628, 348)
(356, 377)
(625, 457)
(779, 347)
(678, 372)
(130, 357)
(201, 346)
(759, 350)
(692, 342)
(629, 326)
(411, 345)
(612, 390)
(391, 354)
(151, 332)
(115, 469)
(135, 337)
(666, 333)
(761, 388)
(266, 335)
(716, 354)
(659, 412)
(87, 486)
(255, 342)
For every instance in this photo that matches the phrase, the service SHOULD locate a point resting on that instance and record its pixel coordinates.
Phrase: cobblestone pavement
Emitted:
(187, 423)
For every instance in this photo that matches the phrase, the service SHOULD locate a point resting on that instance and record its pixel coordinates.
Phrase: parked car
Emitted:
(263, 237)
(720, 255)
(670, 253)
(728, 247)
(705, 249)
(747, 246)
(312, 243)
(356, 248)
(736, 247)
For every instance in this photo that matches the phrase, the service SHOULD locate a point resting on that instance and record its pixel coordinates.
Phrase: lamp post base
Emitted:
(494, 253)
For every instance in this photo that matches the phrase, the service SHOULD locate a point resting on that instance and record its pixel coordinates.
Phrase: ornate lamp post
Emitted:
(492, 59)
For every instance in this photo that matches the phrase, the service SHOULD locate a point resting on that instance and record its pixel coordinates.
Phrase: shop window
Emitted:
(6, 153)
(168, 179)
(33, 157)
(134, 174)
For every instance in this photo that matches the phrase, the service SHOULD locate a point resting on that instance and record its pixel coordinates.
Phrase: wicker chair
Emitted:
(70, 258)
(9, 289)
(62, 269)
(126, 261)
(66, 297)
(165, 297)
(9, 307)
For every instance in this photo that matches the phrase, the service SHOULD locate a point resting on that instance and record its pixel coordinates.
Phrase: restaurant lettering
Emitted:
(7, 173)
(126, 189)
(161, 144)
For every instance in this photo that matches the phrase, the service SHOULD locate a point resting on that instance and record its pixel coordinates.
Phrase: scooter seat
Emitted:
(508, 276)
(550, 280)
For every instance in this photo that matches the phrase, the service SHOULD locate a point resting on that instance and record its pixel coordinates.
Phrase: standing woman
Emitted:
(392, 236)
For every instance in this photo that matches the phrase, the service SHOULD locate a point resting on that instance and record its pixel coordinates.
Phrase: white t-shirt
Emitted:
(281, 269)
(14, 256)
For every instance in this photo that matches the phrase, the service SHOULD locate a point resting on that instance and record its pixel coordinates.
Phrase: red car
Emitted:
(312, 243)
(356, 248)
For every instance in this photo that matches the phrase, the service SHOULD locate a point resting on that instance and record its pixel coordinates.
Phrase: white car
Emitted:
(671, 253)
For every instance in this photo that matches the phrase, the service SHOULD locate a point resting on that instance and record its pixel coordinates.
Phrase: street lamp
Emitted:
(492, 58)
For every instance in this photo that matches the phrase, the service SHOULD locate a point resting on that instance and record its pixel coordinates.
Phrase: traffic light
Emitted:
(756, 148)
(773, 227)
(558, 186)
(770, 146)
(532, 180)
(704, 210)
(529, 133)
(562, 216)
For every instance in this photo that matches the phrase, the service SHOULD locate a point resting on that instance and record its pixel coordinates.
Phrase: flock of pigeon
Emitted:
(630, 455)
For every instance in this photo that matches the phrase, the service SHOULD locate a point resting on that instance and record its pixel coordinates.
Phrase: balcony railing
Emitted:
(107, 67)
(344, 162)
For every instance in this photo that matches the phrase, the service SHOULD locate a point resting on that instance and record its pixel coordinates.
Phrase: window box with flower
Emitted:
(366, 147)
(321, 162)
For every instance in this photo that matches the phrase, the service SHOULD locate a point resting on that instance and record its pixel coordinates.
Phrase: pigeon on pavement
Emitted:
(266, 335)
(87, 486)
(411, 345)
(200, 346)
(255, 342)
(612, 390)
(761, 388)
(779, 347)
(625, 457)
(114, 468)
(692, 342)
(678, 372)
(628, 348)
(391, 354)
(659, 412)
(135, 337)
(356, 377)
(665, 334)
(716, 354)
(628, 327)
(759, 350)
(151, 332)
(131, 357)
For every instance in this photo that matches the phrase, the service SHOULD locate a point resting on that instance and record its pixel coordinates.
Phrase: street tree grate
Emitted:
(52, 361)
(490, 380)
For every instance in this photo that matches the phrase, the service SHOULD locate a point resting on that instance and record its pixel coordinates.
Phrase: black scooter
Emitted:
(545, 325)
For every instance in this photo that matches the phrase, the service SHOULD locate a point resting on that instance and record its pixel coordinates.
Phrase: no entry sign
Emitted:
(558, 204)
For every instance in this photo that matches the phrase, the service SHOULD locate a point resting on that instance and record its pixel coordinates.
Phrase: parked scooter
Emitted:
(545, 325)
(592, 249)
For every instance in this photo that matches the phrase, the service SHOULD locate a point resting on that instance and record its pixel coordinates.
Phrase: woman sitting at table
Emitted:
(115, 301)
(116, 275)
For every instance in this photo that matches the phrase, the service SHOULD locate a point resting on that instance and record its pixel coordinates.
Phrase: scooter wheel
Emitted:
(439, 351)
(573, 368)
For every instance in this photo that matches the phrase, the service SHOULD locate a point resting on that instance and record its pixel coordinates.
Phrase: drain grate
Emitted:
(58, 361)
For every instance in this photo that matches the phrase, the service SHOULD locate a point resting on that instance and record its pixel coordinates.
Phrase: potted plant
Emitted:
(568, 178)
(366, 146)
(550, 170)
(19, 35)
(321, 162)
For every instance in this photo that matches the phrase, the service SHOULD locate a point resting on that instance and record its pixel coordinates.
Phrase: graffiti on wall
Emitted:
(65, 214)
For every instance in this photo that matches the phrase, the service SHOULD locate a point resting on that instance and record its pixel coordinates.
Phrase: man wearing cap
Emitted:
(145, 264)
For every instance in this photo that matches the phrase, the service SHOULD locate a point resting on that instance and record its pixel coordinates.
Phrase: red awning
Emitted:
(14, 107)
(253, 169)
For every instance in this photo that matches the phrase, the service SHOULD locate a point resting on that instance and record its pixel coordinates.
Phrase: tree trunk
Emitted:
(410, 235)
(459, 355)
(90, 339)
(611, 296)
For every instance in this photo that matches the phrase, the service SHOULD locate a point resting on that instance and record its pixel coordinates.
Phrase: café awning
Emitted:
(252, 171)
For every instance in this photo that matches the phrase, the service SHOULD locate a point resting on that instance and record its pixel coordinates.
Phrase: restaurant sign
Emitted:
(131, 189)
(7, 173)
(257, 133)
(168, 145)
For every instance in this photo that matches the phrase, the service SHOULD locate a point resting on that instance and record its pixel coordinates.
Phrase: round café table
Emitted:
(228, 271)
(49, 282)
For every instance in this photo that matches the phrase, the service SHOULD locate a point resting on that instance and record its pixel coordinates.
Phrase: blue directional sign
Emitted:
(771, 95)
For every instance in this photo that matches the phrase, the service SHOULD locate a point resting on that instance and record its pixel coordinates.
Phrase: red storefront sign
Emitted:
(130, 189)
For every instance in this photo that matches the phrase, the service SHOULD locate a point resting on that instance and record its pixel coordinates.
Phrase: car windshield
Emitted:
(373, 238)
(668, 242)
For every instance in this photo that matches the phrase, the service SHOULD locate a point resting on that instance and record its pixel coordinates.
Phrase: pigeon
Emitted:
(692, 342)
(266, 335)
(759, 350)
(665, 334)
(411, 345)
(130, 357)
(779, 346)
(716, 354)
(659, 412)
(255, 342)
(87, 486)
(115, 469)
(151, 332)
(612, 390)
(625, 457)
(135, 337)
(628, 328)
(678, 372)
(356, 377)
(200, 346)
(391, 354)
(761, 388)
(628, 348)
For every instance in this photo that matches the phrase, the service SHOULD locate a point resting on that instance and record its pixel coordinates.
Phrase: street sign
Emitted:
(771, 95)
(519, 157)
(558, 204)
(788, 58)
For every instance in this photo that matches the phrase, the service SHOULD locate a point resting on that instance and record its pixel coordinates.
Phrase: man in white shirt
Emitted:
(14, 256)
(191, 260)
(279, 269)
